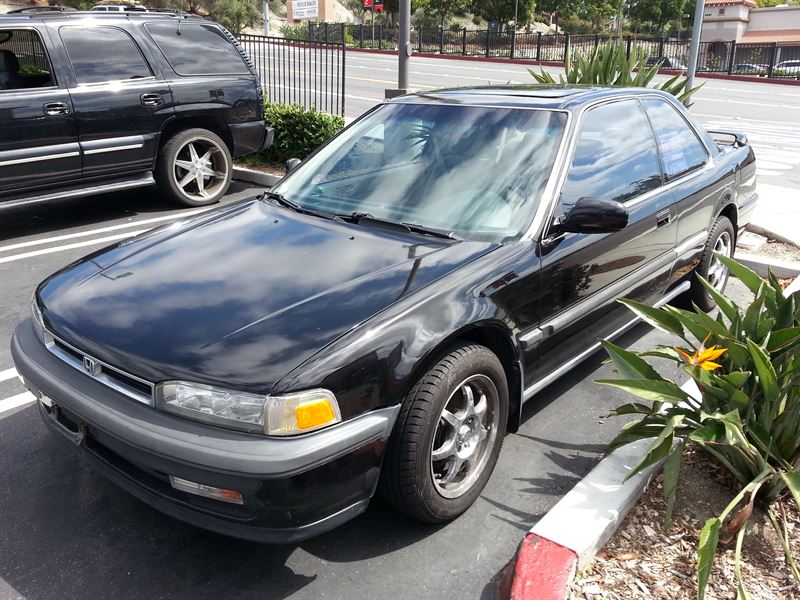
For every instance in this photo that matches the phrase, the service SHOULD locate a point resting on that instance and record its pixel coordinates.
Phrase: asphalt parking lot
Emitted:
(69, 533)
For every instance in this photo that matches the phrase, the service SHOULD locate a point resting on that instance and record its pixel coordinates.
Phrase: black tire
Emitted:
(169, 174)
(407, 478)
(721, 230)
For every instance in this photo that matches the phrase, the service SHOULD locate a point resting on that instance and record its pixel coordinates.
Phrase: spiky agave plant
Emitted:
(610, 65)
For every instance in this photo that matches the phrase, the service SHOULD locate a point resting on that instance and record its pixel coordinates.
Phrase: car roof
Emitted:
(555, 97)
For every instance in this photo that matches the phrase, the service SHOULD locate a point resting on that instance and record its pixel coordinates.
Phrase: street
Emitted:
(69, 533)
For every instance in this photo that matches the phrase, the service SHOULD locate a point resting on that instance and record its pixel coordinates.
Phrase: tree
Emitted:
(502, 11)
(658, 12)
(235, 15)
(557, 8)
(600, 11)
(444, 9)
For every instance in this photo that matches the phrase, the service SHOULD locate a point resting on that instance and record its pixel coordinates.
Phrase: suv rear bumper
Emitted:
(250, 137)
(292, 488)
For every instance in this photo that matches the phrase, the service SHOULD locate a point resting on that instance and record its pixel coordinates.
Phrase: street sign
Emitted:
(305, 9)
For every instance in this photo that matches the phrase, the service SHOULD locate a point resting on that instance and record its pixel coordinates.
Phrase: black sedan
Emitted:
(378, 318)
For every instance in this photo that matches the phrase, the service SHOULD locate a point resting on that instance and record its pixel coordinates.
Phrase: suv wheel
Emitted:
(448, 436)
(194, 167)
(721, 239)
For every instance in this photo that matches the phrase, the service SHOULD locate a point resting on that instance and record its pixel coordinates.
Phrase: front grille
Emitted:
(117, 379)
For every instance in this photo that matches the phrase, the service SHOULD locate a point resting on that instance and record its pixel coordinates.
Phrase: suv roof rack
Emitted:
(102, 15)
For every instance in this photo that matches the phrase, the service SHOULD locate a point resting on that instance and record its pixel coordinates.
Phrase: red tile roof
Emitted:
(782, 36)
(749, 3)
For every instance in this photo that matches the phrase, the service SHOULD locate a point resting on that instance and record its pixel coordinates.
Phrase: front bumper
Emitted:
(292, 488)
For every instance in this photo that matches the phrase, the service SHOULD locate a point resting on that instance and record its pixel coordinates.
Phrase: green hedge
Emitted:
(298, 132)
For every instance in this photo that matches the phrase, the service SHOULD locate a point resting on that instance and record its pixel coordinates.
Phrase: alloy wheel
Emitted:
(464, 436)
(200, 168)
(717, 271)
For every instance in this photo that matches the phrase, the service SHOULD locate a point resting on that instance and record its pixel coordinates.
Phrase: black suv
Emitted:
(93, 102)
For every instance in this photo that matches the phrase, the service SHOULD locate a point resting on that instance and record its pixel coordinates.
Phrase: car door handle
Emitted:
(151, 99)
(663, 218)
(52, 109)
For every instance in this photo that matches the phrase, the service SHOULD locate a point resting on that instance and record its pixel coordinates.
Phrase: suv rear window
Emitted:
(197, 48)
(101, 54)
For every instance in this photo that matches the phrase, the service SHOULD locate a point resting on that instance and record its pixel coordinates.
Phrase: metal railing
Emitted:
(716, 57)
(27, 47)
(308, 73)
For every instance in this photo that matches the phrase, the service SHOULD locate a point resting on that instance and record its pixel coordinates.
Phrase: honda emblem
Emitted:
(91, 366)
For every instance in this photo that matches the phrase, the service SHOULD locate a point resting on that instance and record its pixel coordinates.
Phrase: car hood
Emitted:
(240, 297)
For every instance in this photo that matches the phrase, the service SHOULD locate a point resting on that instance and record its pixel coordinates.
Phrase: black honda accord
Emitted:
(376, 320)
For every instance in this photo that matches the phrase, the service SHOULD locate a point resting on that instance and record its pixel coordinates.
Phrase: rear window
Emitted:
(197, 48)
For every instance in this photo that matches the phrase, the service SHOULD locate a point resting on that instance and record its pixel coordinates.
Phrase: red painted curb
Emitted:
(549, 63)
(543, 570)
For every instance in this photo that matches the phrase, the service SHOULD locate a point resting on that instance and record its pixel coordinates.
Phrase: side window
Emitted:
(615, 155)
(100, 54)
(23, 60)
(681, 151)
(197, 49)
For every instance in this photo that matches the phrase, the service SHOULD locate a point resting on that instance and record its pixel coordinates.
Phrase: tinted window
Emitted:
(681, 151)
(196, 48)
(23, 62)
(615, 156)
(103, 54)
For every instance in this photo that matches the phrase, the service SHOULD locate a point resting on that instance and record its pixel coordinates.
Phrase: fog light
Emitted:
(206, 491)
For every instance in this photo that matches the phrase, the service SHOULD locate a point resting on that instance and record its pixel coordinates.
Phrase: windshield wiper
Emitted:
(360, 218)
(282, 200)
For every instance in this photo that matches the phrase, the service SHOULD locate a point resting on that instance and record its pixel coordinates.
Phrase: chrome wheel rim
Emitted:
(200, 169)
(717, 271)
(465, 435)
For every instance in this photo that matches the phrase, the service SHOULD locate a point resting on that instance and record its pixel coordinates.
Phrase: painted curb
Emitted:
(550, 63)
(762, 265)
(253, 176)
(568, 537)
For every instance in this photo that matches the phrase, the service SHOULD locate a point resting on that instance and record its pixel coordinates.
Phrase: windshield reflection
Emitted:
(477, 172)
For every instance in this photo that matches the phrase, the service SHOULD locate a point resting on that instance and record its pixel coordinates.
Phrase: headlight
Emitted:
(273, 415)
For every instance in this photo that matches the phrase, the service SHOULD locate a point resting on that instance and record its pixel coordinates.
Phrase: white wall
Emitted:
(783, 17)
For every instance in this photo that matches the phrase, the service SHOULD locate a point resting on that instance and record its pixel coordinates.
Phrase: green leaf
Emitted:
(780, 338)
(658, 318)
(657, 391)
(672, 468)
(766, 372)
(633, 408)
(706, 549)
(725, 304)
(747, 276)
(629, 364)
(660, 448)
(792, 480)
(736, 378)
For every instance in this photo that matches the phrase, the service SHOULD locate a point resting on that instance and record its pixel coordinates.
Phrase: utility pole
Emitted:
(694, 48)
(403, 50)
(266, 17)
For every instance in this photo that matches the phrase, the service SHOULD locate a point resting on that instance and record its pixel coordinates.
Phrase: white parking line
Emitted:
(16, 401)
(103, 240)
(8, 374)
(69, 236)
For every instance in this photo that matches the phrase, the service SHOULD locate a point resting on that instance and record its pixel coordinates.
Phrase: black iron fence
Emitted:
(309, 73)
(27, 47)
(769, 60)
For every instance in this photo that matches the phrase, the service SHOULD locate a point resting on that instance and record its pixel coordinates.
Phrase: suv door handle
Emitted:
(151, 99)
(53, 109)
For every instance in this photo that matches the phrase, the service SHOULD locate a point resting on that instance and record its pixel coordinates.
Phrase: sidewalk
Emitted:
(777, 214)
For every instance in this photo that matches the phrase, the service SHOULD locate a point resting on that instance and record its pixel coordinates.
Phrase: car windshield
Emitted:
(474, 171)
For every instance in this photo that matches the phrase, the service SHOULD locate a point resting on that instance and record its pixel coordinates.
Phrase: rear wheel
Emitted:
(194, 167)
(721, 239)
(448, 436)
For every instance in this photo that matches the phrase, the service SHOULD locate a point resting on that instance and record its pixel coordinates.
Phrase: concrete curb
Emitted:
(567, 538)
(769, 233)
(762, 265)
(253, 176)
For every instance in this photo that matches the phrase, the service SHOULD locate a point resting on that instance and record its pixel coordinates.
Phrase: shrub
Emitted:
(294, 32)
(298, 132)
(746, 414)
(609, 65)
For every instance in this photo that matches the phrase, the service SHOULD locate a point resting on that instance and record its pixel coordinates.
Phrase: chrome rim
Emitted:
(200, 169)
(718, 272)
(465, 436)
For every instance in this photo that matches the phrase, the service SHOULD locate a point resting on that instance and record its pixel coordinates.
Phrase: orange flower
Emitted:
(703, 357)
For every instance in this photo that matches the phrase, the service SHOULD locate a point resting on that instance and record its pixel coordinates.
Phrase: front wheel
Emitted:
(721, 239)
(194, 167)
(448, 436)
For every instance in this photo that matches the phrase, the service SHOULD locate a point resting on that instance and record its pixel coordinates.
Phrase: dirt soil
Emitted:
(644, 561)
(777, 250)
(272, 169)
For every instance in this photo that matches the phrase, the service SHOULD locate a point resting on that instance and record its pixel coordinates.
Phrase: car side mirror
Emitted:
(291, 164)
(590, 215)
